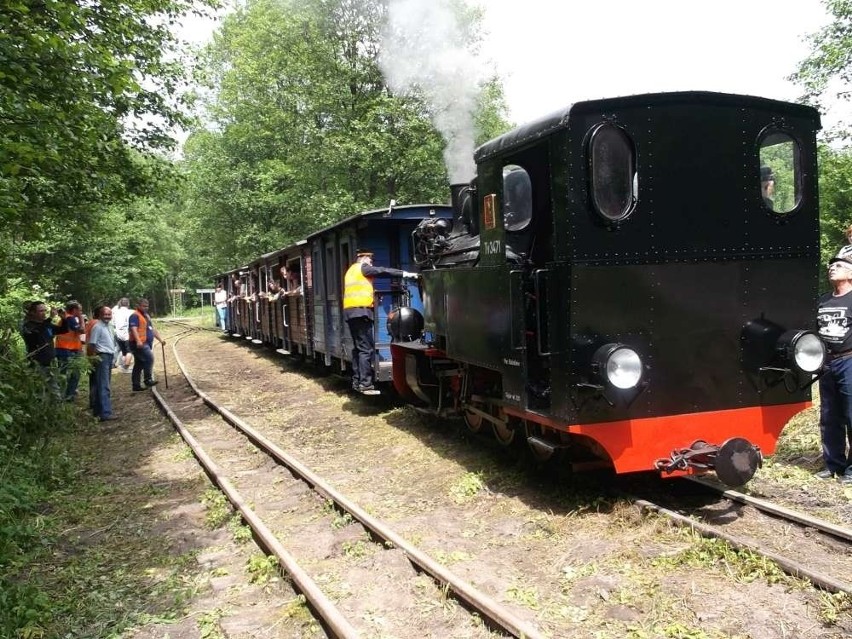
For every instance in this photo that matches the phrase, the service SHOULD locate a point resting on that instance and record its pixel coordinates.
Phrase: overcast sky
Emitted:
(551, 53)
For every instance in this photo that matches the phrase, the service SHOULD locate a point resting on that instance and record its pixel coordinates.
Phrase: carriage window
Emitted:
(613, 169)
(780, 176)
(331, 278)
(517, 198)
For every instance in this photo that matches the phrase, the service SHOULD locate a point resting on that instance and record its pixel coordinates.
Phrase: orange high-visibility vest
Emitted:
(142, 330)
(69, 340)
(357, 289)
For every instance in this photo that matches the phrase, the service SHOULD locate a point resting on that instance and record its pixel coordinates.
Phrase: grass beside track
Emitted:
(110, 556)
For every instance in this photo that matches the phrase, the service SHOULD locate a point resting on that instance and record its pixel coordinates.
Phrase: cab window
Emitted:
(517, 198)
(780, 173)
(613, 172)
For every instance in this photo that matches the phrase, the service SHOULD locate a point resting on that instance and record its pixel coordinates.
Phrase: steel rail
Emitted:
(789, 566)
(331, 616)
(492, 611)
(779, 511)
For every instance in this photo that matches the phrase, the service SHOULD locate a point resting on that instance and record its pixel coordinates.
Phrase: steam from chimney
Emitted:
(424, 47)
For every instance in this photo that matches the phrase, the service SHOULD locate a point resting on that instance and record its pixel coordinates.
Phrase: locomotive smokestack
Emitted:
(455, 196)
(464, 202)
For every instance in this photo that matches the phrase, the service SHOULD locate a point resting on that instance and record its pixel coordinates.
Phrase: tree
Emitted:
(835, 193)
(827, 71)
(304, 129)
(85, 88)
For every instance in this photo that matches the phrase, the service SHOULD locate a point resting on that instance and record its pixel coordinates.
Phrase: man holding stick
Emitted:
(142, 334)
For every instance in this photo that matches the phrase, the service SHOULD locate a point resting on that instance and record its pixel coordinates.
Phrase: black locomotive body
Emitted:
(620, 286)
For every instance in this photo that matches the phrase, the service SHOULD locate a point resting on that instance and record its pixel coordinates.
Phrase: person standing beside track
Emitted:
(834, 318)
(142, 334)
(69, 347)
(120, 320)
(101, 344)
(38, 330)
(358, 303)
(220, 299)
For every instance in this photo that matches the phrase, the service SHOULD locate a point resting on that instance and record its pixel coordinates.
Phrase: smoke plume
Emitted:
(424, 48)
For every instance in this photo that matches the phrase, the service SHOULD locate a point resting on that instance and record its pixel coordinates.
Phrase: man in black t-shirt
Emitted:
(834, 318)
(38, 329)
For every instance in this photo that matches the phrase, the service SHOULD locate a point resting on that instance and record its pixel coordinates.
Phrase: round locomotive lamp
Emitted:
(804, 349)
(618, 365)
(405, 324)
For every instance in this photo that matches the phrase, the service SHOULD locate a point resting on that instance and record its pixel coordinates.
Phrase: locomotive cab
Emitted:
(633, 291)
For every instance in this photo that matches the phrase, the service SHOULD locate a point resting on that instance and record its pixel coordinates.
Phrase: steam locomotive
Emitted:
(617, 286)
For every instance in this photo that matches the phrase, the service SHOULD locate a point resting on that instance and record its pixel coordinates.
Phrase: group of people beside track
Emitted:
(57, 339)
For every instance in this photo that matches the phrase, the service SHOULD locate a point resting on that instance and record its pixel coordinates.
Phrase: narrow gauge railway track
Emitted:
(219, 428)
(801, 545)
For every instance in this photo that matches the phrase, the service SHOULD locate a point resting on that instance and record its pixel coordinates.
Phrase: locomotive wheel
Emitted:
(505, 434)
(473, 421)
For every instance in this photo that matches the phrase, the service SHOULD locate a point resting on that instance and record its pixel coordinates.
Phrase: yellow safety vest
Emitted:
(357, 289)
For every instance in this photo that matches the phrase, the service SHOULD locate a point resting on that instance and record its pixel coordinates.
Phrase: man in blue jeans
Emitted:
(101, 344)
(834, 318)
(142, 334)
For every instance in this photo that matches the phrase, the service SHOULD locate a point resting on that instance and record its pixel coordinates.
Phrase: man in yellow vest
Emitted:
(358, 306)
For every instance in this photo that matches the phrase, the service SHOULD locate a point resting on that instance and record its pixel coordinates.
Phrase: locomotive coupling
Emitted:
(735, 461)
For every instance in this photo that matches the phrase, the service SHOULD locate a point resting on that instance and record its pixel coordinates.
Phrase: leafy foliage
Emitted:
(304, 130)
(831, 54)
(89, 93)
(29, 466)
(835, 187)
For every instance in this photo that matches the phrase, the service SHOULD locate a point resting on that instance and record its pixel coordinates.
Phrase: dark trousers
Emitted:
(143, 366)
(70, 369)
(835, 418)
(102, 404)
(363, 348)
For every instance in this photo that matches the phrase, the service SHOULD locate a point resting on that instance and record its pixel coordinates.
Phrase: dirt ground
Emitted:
(559, 551)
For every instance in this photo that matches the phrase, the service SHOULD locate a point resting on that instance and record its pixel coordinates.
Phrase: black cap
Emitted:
(766, 174)
(847, 262)
(363, 252)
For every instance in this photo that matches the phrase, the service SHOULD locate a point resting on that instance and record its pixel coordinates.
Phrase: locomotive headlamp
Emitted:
(618, 366)
(804, 349)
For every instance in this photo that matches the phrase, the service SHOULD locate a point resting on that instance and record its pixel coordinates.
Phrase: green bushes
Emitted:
(29, 468)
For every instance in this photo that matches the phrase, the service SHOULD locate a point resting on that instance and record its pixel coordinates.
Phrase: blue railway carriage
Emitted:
(624, 285)
(330, 252)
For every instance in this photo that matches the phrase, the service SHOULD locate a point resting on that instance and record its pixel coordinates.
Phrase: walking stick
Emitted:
(165, 374)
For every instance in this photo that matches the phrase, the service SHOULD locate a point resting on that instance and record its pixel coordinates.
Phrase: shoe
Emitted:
(151, 383)
(824, 474)
(367, 390)
(139, 389)
(109, 418)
